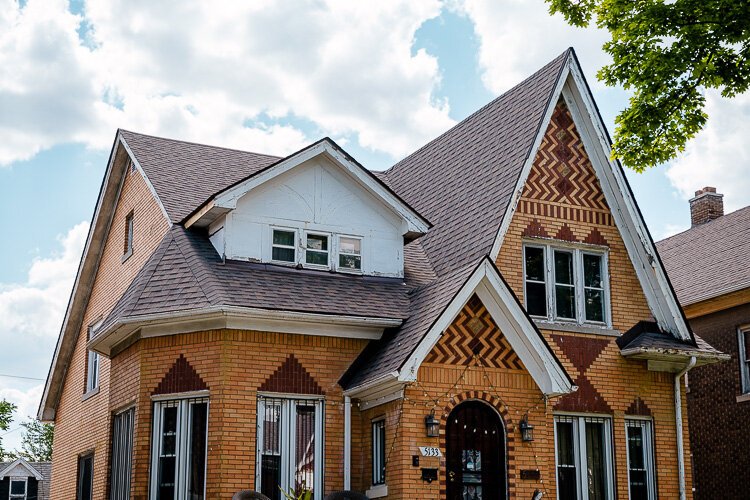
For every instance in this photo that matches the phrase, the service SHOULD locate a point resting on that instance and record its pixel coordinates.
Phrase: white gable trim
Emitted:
(512, 320)
(228, 199)
(641, 250)
(9, 470)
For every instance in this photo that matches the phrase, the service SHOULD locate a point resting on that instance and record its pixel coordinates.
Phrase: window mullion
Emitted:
(581, 457)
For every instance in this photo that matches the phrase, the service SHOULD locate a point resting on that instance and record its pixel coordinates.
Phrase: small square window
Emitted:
(350, 253)
(284, 248)
(316, 249)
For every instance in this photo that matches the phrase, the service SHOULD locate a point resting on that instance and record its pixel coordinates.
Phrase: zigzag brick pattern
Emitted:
(562, 182)
(474, 332)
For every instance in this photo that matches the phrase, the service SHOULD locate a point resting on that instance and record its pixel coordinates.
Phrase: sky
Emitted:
(380, 78)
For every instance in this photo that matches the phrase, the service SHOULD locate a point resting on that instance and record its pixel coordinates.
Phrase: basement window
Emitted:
(566, 283)
(317, 249)
(641, 481)
(744, 356)
(350, 253)
(284, 246)
(583, 458)
(128, 247)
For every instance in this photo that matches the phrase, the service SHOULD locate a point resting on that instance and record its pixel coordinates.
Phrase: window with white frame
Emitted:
(92, 362)
(290, 446)
(641, 482)
(566, 283)
(378, 452)
(350, 253)
(317, 249)
(18, 488)
(178, 449)
(583, 457)
(744, 357)
(284, 246)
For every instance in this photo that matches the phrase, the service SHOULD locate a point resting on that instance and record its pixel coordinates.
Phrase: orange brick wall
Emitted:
(545, 210)
(84, 425)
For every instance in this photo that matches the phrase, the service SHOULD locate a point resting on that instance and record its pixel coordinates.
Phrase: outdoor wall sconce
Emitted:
(432, 425)
(527, 430)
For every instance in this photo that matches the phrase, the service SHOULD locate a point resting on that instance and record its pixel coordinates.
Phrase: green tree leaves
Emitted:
(667, 53)
(6, 416)
(36, 444)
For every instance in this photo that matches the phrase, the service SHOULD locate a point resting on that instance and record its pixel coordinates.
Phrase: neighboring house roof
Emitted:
(709, 260)
(42, 471)
(184, 174)
(646, 339)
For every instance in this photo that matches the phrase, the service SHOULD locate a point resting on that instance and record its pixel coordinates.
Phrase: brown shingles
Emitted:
(710, 259)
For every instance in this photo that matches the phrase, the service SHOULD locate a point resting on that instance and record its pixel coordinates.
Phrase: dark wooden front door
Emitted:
(475, 454)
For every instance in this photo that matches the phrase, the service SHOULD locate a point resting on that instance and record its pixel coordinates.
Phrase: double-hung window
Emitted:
(566, 283)
(350, 253)
(378, 452)
(92, 363)
(122, 455)
(744, 356)
(18, 486)
(290, 446)
(284, 246)
(641, 483)
(583, 456)
(178, 450)
(317, 249)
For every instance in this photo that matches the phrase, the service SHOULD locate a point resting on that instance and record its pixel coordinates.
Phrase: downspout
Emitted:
(678, 423)
(347, 443)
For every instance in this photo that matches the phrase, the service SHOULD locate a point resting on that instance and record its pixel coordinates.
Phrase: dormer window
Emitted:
(350, 253)
(284, 247)
(316, 249)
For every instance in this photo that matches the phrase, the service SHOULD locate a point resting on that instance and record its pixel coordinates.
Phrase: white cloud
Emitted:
(206, 70)
(32, 313)
(27, 402)
(720, 155)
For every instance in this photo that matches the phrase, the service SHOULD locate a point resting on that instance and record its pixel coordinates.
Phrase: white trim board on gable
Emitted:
(651, 274)
(511, 319)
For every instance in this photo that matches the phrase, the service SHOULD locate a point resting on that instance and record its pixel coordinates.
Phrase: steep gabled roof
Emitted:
(709, 260)
(185, 174)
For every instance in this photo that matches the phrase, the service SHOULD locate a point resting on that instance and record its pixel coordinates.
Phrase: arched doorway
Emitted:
(475, 453)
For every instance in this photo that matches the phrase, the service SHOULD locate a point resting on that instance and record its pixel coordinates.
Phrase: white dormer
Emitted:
(316, 209)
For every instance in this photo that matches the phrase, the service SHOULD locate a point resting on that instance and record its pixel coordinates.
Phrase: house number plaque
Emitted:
(430, 451)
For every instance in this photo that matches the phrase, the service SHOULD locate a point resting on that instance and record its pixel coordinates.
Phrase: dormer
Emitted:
(316, 209)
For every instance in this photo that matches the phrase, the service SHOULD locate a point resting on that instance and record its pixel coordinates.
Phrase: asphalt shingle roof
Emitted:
(709, 260)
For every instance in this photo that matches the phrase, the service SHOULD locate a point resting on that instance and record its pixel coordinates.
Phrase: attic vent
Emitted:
(128, 243)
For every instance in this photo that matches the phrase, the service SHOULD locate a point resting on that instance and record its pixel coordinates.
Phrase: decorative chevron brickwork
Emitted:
(291, 377)
(582, 352)
(182, 377)
(596, 238)
(562, 181)
(535, 230)
(474, 332)
(566, 234)
(638, 407)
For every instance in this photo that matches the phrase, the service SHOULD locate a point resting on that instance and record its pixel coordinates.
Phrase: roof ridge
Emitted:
(200, 263)
(203, 144)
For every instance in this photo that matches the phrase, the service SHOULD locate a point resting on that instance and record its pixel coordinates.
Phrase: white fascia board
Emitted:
(513, 203)
(523, 337)
(228, 199)
(377, 392)
(240, 318)
(632, 227)
(23, 463)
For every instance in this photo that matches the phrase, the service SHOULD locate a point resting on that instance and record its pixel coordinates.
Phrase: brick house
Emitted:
(247, 321)
(708, 266)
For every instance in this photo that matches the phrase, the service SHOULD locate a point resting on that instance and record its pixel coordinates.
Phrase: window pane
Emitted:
(282, 254)
(563, 267)
(567, 483)
(594, 305)
(317, 242)
(746, 336)
(596, 460)
(167, 459)
(283, 238)
(317, 258)
(534, 263)
(638, 466)
(304, 469)
(85, 477)
(592, 270)
(378, 452)
(18, 487)
(536, 299)
(565, 301)
(350, 261)
(197, 458)
(122, 455)
(350, 245)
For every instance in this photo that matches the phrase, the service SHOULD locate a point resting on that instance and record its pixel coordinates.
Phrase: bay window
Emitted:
(583, 458)
(566, 283)
(290, 446)
(640, 443)
(178, 450)
(122, 454)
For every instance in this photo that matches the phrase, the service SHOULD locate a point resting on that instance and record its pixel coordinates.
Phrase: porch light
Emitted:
(527, 430)
(432, 424)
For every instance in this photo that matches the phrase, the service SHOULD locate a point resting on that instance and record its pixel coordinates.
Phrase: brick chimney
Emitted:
(706, 206)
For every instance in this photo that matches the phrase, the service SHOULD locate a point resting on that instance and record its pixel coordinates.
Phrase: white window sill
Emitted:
(90, 394)
(576, 328)
(379, 491)
(742, 398)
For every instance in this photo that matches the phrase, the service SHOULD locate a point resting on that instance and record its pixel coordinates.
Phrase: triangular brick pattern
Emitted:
(474, 332)
(596, 238)
(582, 352)
(291, 377)
(182, 377)
(566, 234)
(535, 230)
(638, 407)
(562, 182)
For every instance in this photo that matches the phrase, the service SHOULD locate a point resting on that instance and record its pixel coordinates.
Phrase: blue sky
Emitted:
(270, 78)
